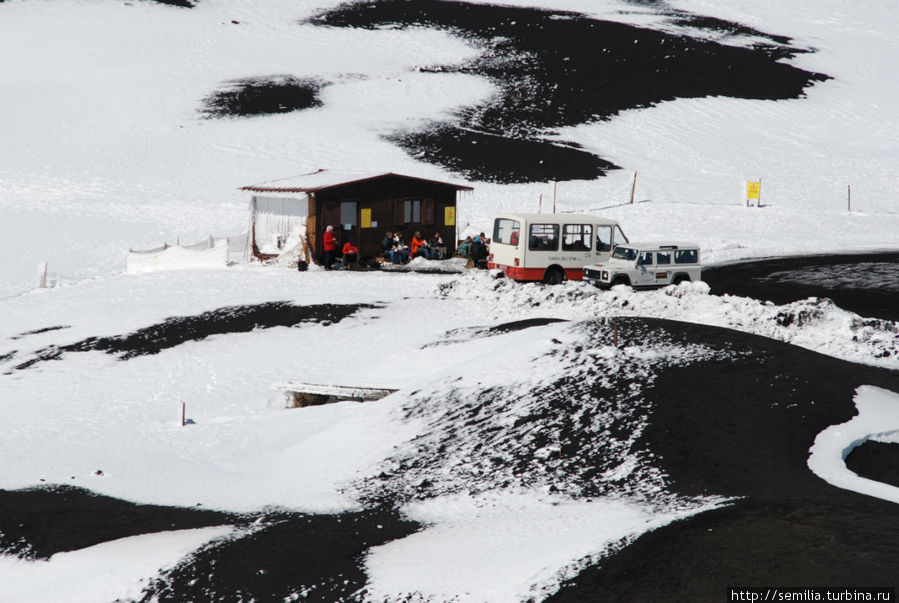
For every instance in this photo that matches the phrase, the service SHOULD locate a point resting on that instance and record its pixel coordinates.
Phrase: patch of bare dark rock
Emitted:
(180, 329)
(555, 69)
(263, 96)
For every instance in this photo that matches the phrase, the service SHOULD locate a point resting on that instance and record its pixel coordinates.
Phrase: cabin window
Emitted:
(663, 257)
(620, 239)
(506, 231)
(603, 238)
(348, 214)
(544, 237)
(576, 237)
(412, 211)
(645, 259)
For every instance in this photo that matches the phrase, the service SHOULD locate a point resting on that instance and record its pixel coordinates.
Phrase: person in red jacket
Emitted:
(329, 243)
(420, 247)
(350, 253)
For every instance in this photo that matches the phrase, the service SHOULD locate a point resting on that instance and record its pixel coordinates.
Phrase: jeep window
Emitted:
(624, 253)
(663, 257)
(686, 256)
(544, 237)
(576, 237)
(506, 231)
(603, 238)
(645, 259)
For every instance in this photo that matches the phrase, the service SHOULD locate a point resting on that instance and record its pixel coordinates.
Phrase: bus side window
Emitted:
(506, 231)
(603, 238)
(544, 237)
(576, 237)
(620, 239)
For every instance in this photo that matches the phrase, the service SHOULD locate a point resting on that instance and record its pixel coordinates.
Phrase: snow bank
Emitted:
(503, 546)
(179, 258)
(813, 323)
(878, 418)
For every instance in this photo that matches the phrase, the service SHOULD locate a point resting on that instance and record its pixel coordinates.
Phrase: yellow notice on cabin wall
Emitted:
(753, 190)
(449, 216)
(365, 217)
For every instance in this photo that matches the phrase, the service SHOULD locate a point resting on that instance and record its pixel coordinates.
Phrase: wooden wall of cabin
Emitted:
(384, 197)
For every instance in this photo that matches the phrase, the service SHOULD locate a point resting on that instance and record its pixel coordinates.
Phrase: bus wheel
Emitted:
(553, 276)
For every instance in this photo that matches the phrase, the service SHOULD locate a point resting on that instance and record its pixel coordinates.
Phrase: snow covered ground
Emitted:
(104, 148)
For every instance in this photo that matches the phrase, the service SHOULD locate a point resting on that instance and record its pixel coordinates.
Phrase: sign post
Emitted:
(754, 191)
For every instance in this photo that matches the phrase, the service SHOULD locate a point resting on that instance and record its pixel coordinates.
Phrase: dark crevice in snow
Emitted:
(178, 3)
(263, 96)
(555, 69)
(39, 331)
(181, 329)
(470, 333)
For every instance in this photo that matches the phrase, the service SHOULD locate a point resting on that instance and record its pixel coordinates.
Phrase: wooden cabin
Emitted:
(361, 207)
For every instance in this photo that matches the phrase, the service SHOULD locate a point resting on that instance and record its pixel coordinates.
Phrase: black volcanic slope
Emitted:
(555, 69)
(744, 429)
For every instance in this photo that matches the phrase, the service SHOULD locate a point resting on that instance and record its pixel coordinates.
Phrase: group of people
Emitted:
(476, 249)
(350, 252)
(396, 250)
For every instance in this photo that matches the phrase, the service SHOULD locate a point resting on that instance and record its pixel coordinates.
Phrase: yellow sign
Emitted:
(365, 217)
(449, 216)
(753, 190)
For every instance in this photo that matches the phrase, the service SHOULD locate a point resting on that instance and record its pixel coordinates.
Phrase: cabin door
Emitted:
(349, 224)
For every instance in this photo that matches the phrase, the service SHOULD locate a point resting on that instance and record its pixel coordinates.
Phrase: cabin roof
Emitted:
(320, 180)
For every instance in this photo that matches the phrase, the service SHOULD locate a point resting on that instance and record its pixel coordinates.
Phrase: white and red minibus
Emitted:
(551, 247)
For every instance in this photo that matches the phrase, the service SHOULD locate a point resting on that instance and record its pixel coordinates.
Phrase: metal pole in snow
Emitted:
(554, 195)
(182, 414)
(540, 206)
(634, 188)
(849, 196)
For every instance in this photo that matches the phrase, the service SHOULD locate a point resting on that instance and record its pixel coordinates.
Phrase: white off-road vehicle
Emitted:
(645, 265)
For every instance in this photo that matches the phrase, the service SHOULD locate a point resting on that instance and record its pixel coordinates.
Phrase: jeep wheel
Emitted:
(621, 280)
(680, 278)
(553, 276)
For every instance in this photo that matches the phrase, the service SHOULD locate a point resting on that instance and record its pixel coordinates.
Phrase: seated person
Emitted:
(400, 248)
(350, 253)
(438, 247)
(389, 248)
(465, 247)
(419, 247)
